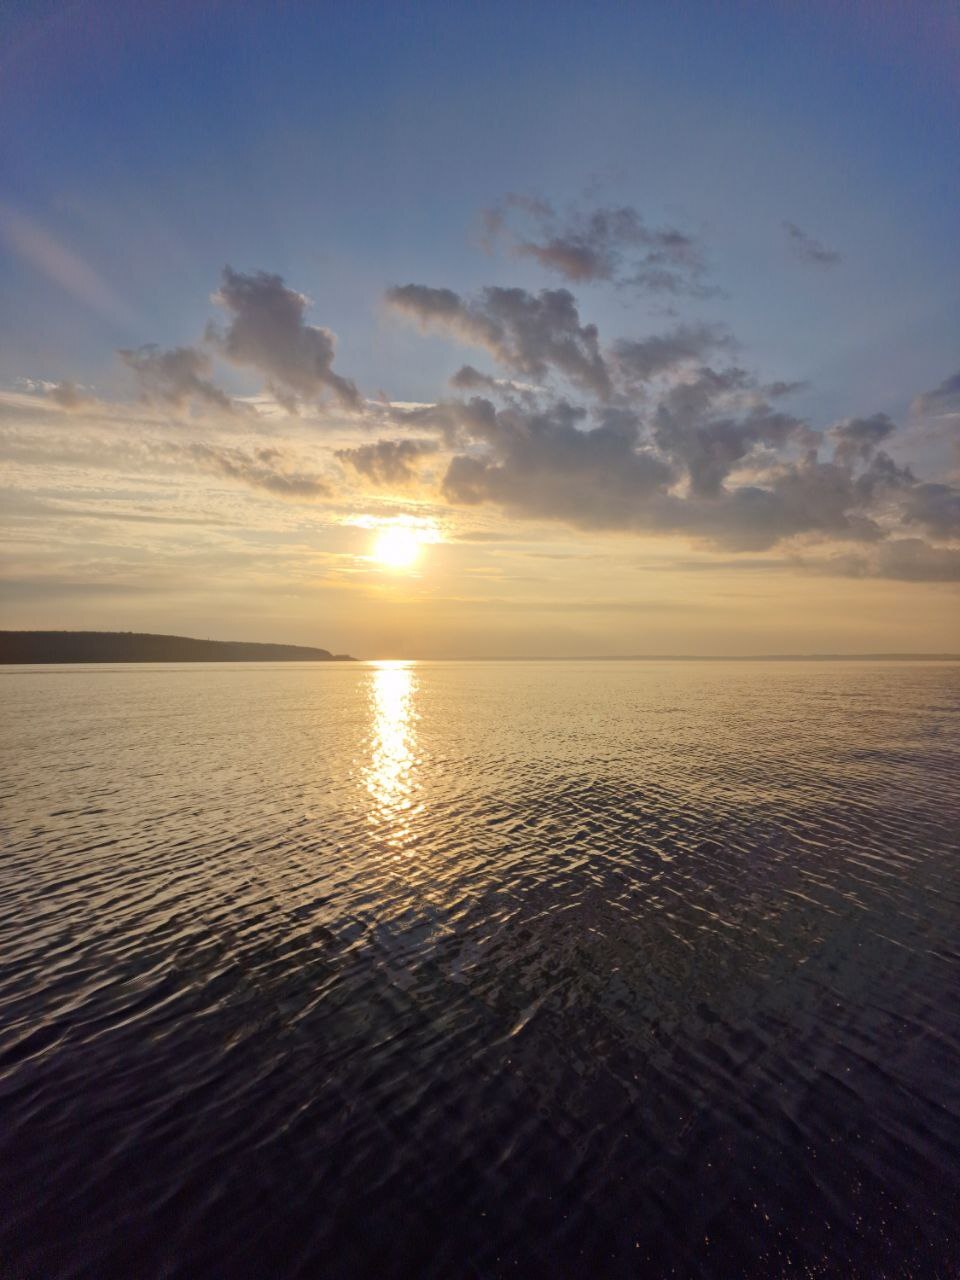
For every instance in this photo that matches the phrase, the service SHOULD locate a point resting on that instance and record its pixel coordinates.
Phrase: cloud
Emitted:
(944, 399)
(457, 421)
(61, 265)
(540, 334)
(545, 464)
(913, 560)
(935, 508)
(266, 468)
(860, 437)
(809, 250)
(640, 360)
(679, 468)
(177, 377)
(881, 479)
(710, 451)
(712, 421)
(467, 378)
(675, 446)
(613, 245)
(531, 334)
(69, 396)
(66, 393)
(655, 435)
(267, 332)
(388, 462)
(807, 497)
(900, 559)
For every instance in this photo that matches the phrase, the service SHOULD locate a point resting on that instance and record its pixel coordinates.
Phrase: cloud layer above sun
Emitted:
(668, 433)
(661, 432)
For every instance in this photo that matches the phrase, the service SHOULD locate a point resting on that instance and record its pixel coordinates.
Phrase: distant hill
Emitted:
(131, 646)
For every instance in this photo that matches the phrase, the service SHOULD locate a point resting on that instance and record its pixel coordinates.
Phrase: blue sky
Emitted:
(350, 148)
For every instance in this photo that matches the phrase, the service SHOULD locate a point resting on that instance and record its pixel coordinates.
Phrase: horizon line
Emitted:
(683, 657)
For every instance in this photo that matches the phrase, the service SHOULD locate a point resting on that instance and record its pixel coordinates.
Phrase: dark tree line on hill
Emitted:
(131, 646)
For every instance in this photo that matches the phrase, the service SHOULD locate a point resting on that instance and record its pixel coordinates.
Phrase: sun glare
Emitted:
(396, 547)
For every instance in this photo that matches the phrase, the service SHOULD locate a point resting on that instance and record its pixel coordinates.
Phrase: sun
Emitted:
(396, 547)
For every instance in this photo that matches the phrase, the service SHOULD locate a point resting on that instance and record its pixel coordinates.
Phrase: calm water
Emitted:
(480, 970)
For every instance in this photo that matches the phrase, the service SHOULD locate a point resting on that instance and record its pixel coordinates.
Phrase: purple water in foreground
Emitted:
(480, 969)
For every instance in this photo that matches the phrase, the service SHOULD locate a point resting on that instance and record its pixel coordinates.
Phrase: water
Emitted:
(480, 970)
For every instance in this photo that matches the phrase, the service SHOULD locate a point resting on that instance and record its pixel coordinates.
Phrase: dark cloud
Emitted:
(267, 332)
(179, 377)
(457, 421)
(913, 560)
(935, 508)
(467, 378)
(709, 451)
(547, 465)
(532, 334)
(614, 245)
(881, 478)
(809, 250)
(675, 445)
(670, 471)
(860, 437)
(780, 388)
(640, 360)
(388, 461)
(803, 497)
(693, 425)
(944, 399)
(267, 469)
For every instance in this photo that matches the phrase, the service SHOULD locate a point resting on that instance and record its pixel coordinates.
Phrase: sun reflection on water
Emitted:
(389, 777)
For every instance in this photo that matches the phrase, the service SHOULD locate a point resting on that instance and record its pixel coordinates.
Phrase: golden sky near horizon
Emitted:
(114, 528)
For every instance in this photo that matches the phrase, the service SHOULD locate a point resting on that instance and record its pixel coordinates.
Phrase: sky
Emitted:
(449, 330)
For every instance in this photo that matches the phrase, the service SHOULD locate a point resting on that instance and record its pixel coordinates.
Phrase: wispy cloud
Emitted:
(388, 462)
(532, 334)
(263, 468)
(613, 245)
(61, 265)
(177, 378)
(807, 249)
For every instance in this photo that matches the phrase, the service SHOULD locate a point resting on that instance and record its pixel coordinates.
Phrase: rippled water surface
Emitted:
(480, 969)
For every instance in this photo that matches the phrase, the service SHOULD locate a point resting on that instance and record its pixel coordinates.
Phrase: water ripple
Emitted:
(481, 970)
